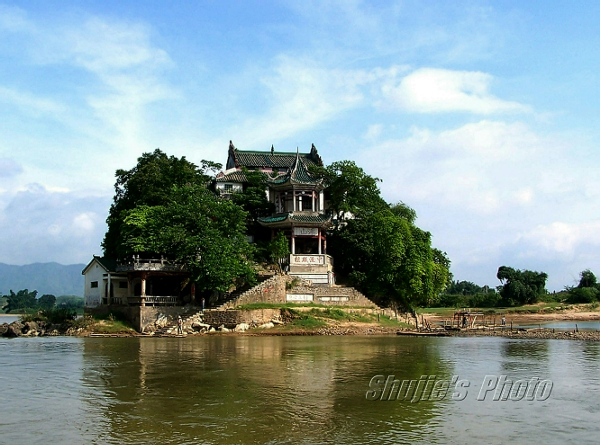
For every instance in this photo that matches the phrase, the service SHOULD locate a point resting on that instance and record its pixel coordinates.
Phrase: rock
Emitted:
(15, 329)
(276, 321)
(268, 325)
(3, 328)
(222, 328)
(242, 327)
(197, 326)
(161, 321)
(212, 330)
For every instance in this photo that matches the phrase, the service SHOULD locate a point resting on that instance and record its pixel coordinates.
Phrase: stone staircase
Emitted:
(235, 297)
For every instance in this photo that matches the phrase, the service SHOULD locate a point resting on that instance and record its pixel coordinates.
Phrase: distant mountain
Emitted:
(46, 278)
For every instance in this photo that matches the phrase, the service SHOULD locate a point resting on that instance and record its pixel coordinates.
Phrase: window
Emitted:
(229, 188)
(94, 284)
(122, 284)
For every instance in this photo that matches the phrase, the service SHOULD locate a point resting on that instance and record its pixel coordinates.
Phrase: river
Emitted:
(297, 390)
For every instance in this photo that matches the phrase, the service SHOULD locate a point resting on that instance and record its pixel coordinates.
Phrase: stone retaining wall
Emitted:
(274, 290)
(231, 318)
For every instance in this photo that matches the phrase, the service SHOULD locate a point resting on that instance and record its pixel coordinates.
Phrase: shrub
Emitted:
(583, 295)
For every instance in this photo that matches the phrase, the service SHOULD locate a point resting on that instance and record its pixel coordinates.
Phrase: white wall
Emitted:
(93, 295)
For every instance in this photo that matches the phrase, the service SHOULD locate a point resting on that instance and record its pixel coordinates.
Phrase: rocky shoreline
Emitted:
(39, 329)
(35, 329)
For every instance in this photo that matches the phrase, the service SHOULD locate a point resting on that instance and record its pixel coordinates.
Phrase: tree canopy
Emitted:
(350, 189)
(23, 299)
(198, 229)
(521, 286)
(151, 182)
(377, 246)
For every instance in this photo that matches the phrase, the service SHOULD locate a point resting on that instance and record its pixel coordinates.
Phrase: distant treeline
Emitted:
(25, 301)
(518, 287)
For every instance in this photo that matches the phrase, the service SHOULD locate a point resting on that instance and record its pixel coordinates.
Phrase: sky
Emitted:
(481, 116)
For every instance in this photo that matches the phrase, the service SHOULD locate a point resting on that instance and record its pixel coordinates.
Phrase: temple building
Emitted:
(299, 201)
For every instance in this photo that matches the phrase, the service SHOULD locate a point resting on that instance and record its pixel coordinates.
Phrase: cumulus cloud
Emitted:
(562, 238)
(430, 90)
(492, 192)
(41, 225)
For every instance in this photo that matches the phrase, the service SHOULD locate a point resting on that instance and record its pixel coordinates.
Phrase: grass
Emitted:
(252, 306)
(112, 327)
(321, 317)
(542, 307)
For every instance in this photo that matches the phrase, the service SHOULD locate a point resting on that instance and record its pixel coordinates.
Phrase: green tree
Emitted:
(390, 260)
(20, 301)
(46, 301)
(377, 246)
(587, 291)
(198, 229)
(69, 302)
(150, 183)
(350, 189)
(521, 286)
(279, 250)
(253, 200)
(587, 279)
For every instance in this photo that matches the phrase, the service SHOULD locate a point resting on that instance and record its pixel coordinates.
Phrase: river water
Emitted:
(297, 390)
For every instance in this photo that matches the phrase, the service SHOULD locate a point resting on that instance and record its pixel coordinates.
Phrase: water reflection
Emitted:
(237, 389)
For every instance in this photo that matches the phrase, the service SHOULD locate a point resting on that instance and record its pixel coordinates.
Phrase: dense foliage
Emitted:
(197, 229)
(26, 301)
(152, 182)
(163, 206)
(521, 286)
(376, 246)
(587, 291)
(20, 301)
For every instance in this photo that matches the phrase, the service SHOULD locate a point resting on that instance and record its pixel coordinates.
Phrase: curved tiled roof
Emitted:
(298, 174)
(235, 176)
(319, 219)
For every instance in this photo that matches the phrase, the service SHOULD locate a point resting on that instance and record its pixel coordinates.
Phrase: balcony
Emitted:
(150, 300)
(150, 264)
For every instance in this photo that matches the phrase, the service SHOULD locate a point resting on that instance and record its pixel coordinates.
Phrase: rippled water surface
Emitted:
(246, 390)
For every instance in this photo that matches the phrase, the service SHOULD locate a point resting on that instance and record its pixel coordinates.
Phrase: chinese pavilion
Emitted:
(299, 199)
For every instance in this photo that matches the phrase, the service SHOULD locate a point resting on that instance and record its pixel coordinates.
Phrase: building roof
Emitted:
(285, 219)
(298, 174)
(234, 176)
(270, 158)
(108, 264)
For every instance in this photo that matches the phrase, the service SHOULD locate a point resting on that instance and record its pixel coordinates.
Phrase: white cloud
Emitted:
(430, 90)
(28, 102)
(301, 95)
(491, 192)
(562, 238)
(40, 225)
(13, 19)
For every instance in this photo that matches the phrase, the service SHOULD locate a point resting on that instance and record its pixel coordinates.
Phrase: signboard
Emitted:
(308, 259)
(299, 297)
(306, 231)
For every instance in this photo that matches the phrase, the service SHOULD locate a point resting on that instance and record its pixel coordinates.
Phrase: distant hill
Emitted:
(46, 278)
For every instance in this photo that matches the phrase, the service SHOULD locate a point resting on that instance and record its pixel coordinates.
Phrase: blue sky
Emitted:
(482, 116)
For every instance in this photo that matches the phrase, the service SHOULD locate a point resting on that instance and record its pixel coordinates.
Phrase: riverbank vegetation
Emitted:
(26, 302)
